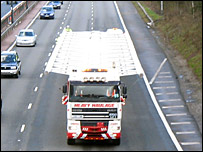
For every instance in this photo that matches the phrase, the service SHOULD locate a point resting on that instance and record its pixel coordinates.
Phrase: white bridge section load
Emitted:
(93, 49)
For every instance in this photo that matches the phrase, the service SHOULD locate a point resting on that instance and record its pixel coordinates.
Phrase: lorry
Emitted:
(94, 62)
(94, 99)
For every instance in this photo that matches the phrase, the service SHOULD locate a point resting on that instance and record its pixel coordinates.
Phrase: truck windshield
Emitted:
(94, 93)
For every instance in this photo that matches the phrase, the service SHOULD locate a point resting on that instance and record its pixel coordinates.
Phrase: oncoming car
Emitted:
(10, 63)
(26, 37)
(47, 12)
(55, 4)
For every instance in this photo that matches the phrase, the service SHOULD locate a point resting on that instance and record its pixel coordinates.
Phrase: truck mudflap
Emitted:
(86, 136)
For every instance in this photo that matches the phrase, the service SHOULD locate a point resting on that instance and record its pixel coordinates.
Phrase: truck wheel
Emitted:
(116, 141)
(71, 141)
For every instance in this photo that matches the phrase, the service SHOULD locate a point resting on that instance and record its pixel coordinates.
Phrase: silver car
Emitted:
(26, 37)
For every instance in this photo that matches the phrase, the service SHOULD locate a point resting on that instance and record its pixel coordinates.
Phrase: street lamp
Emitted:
(11, 13)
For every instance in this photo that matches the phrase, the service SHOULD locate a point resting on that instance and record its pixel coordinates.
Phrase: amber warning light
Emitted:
(95, 70)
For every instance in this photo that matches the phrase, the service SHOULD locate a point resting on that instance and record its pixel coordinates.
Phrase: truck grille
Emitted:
(94, 128)
(94, 112)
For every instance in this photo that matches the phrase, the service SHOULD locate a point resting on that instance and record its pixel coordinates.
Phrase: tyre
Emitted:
(71, 141)
(116, 141)
(16, 75)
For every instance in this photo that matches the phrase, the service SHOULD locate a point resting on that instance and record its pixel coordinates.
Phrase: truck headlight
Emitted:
(72, 128)
(115, 128)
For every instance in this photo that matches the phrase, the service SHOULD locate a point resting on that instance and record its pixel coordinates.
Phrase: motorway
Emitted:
(33, 117)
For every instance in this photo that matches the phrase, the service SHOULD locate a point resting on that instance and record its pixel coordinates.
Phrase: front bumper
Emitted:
(47, 16)
(85, 136)
(9, 72)
(24, 43)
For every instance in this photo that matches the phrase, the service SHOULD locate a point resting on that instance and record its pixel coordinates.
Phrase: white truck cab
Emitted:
(94, 99)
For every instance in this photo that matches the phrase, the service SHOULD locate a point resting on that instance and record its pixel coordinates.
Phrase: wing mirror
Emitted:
(124, 92)
(64, 89)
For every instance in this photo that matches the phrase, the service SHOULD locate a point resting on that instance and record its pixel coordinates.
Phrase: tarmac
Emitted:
(7, 42)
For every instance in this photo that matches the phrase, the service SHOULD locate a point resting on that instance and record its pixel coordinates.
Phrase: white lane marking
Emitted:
(190, 143)
(168, 87)
(165, 76)
(180, 123)
(178, 106)
(176, 114)
(169, 100)
(29, 106)
(49, 54)
(36, 88)
(157, 72)
(45, 64)
(172, 93)
(164, 82)
(165, 72)
(185, 132)
(168, 93)
(41, 75)
(53, 46)
(22, 128)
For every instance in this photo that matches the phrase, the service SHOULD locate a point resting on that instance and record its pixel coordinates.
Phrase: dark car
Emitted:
(47, 12)
(55, 4)
(10, 63)
(9, 2)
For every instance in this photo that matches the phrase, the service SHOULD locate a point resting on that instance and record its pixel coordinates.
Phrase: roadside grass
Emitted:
(183, 33)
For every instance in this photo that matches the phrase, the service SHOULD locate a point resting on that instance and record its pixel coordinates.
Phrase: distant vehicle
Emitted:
(26, 37)
(10, 63)
(9, 2)
(47, 12)
(55, 4)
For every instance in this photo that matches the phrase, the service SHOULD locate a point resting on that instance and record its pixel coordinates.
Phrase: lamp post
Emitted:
(26, 4)
(12, 12)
